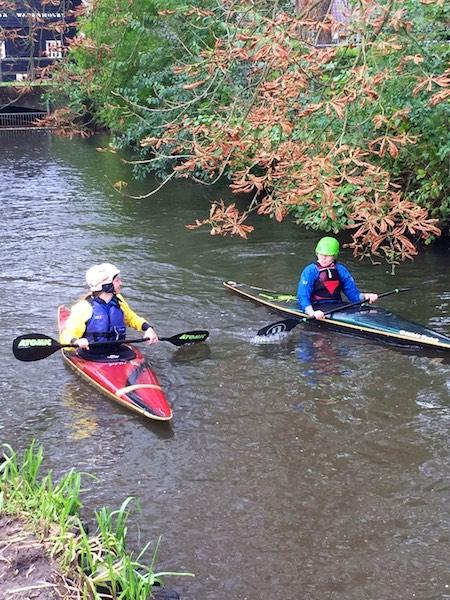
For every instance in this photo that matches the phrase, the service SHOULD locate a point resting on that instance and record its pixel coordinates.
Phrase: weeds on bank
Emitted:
(99, 565)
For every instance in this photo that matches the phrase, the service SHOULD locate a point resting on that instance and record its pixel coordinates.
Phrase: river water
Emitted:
(312, 468)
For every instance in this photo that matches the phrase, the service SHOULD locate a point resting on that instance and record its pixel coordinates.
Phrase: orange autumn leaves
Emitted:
(263, 140)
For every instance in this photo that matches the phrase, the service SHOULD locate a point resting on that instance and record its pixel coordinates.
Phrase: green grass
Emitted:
(99, 563)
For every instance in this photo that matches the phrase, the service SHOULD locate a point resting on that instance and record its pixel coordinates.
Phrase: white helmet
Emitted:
(99, 275)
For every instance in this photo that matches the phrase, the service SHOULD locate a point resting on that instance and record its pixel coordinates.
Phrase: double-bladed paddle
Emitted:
(287, 324)
(36, 346)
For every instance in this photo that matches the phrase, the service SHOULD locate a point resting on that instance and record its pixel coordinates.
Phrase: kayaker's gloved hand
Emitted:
(151, 336)
(317, 314)
(81, 343)
(371, 297)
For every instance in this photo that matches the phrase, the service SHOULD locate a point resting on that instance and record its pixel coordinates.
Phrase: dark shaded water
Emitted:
(314, 468)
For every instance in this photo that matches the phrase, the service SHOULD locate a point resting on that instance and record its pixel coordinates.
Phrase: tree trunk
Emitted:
(313, 9)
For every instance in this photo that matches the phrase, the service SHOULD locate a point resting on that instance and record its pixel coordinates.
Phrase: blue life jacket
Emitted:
(327, 287)
(107, 321)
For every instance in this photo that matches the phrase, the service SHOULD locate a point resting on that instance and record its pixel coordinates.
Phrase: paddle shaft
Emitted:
(57, 346)
(288, 324)
(36, 346)
(107, 343)
(361, 302)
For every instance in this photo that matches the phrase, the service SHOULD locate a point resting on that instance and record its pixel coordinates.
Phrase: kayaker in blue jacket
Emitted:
(103, 315)
(321, 283)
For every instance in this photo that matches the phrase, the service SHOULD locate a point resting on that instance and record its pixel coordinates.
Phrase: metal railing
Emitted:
(21, 120)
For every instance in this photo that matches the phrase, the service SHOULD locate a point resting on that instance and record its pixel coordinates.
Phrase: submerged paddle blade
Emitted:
(188, 337)
(278, 327)
(34, 346)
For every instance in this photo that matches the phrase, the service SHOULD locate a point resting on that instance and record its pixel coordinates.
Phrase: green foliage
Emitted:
(180, 82)
(119, 68)
(424, 168)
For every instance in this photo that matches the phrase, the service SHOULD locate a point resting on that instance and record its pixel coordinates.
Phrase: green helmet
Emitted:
(328, 246)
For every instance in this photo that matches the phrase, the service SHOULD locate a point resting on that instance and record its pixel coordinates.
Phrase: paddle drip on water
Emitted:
(272, 339)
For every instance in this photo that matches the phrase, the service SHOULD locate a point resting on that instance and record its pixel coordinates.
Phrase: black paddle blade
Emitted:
(188, 337)
(34, 346)
(279, 327)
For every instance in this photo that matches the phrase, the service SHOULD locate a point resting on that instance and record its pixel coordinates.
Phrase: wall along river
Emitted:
(316, 467)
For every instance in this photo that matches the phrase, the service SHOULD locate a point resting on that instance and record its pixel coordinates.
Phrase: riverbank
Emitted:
(46, 552)
(26, 570)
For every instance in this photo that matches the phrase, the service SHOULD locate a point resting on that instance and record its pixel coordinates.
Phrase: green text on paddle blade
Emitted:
(33, 342)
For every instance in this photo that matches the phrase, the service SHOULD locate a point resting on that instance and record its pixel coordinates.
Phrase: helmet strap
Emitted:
(108, 288)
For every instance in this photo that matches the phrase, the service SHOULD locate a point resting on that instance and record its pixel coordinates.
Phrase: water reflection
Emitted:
(90, 414)
(83, 423)
(193, 355)
(325, 356)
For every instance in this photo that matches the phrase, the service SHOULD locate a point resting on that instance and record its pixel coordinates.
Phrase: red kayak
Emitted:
(131, 383)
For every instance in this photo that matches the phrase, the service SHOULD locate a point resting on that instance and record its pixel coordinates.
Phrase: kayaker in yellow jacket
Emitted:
(103, 316)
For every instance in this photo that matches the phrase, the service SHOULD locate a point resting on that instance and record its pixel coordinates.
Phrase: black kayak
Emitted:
(363, 320)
